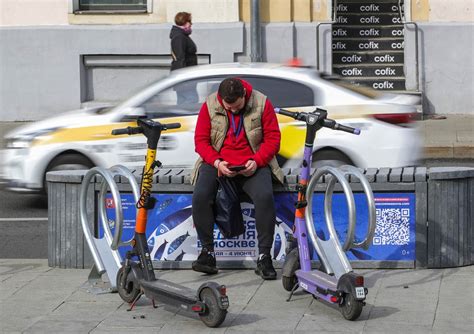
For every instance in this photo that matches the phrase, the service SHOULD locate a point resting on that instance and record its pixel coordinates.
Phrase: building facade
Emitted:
(58, 55)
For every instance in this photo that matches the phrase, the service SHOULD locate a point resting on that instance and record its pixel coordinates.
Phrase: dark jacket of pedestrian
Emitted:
(183, 49)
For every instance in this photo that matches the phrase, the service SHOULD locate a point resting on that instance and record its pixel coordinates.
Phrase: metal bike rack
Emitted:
(107, 259)
(330, 251)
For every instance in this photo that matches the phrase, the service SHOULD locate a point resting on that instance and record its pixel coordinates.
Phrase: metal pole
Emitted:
(255, 32)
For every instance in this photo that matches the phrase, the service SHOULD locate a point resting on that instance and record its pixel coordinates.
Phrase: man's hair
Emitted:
(182, 18)
(231, 89)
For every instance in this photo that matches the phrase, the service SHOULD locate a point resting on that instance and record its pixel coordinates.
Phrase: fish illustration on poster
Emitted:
(157, 255)
(282, 232)
(173, 220)
(180, 257)
(177, 242)
(168, 210)
(182, 237)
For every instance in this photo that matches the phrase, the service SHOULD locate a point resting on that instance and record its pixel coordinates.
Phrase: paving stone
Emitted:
(120, 330)
(19, 315)
(143, 315)
(390, 314)
(61, 326)
(340, 325)
(442, 326)
(85, 311)
(391, 328)
(191, 326)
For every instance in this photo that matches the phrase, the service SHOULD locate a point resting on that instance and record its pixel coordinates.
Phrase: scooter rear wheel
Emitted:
(213, 316)
(350, 307)
(130, 291)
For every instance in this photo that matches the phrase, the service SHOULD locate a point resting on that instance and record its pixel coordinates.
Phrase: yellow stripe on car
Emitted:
(104, 131)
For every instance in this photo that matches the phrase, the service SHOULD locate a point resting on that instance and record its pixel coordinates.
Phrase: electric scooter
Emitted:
(334, 282)
(136, 278)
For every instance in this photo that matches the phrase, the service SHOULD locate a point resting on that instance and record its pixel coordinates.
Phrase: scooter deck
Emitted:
(168, 291)
(317, 283)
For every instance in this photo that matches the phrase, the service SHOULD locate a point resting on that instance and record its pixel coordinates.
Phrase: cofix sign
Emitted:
(369, 71)
(367, 7)
(372, 19)
(380, 84)
(367, 32)
(342, 58)
(368, 45)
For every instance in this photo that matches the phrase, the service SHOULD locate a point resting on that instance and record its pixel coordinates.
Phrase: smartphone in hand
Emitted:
(236, 168)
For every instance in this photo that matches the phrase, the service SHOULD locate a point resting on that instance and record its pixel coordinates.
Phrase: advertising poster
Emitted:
(172, 236)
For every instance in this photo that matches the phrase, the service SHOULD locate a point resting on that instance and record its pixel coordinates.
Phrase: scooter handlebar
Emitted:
(170, 126)
(354, 131)
(129, 130)
(138, 129)
(326, 122)
(285, 112)
(332, 124)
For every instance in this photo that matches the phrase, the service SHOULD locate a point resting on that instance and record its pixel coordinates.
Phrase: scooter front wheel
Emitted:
(213, 315)
(128, 291)
(350, 307)
(291, 265)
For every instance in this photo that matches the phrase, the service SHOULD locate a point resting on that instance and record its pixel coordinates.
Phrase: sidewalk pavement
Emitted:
(448, 138)
(35, 298)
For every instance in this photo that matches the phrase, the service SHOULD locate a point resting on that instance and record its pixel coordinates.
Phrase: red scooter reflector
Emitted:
(196, 308)
(334, 299)
(223, 290)
(359, 281)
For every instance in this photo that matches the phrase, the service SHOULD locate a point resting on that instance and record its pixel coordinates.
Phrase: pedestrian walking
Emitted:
(183, 49)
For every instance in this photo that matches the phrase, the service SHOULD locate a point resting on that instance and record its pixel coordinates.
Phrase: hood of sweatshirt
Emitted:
(176, 31)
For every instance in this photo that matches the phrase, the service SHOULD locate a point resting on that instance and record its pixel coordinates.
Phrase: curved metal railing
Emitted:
(117, 170)
(105, 249)
(330, 251)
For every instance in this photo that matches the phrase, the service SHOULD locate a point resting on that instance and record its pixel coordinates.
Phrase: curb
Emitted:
(453, 151)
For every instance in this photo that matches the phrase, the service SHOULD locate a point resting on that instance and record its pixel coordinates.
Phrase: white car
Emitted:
(82, 139)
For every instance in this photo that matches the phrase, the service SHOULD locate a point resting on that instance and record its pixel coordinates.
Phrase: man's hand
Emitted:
(250, 168)
(223, 170)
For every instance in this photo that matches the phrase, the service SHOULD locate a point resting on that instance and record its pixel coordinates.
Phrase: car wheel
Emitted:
(329, 157)
(70, 161)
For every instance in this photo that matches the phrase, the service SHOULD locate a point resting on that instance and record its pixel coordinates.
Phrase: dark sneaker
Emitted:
(265, 267)
(205, 263)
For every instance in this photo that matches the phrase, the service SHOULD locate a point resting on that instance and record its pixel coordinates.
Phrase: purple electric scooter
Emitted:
(335, 282)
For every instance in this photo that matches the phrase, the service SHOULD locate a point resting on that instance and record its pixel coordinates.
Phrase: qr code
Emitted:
(393, 227)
